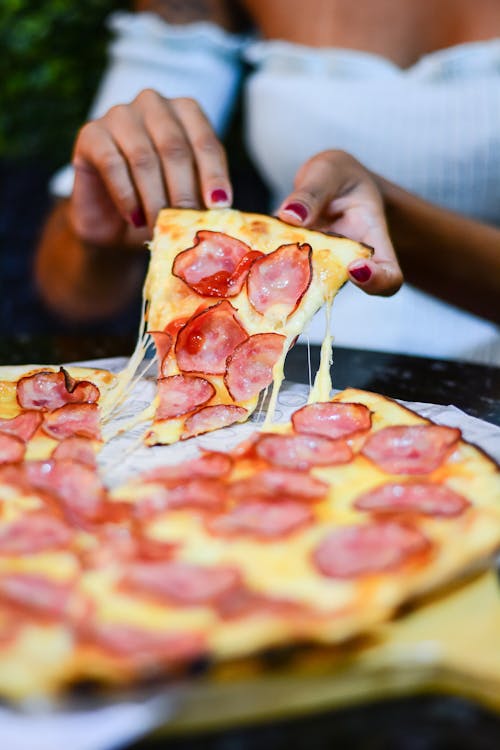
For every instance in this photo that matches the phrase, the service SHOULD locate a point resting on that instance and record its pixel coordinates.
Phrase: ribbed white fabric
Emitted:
(433, 129)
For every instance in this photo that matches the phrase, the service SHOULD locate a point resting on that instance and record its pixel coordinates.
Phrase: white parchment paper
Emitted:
(111, 726)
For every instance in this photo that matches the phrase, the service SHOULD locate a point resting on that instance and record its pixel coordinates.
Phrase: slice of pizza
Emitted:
(46, 410)
(227, 293)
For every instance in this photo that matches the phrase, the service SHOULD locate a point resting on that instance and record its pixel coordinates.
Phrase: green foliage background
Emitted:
(52, 53)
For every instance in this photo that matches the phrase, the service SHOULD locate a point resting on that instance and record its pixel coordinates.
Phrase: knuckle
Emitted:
(187, 103)
(174, 149)
(207, 144)
(117, 112)
(141, 157)
(147, 96)
(110, 160)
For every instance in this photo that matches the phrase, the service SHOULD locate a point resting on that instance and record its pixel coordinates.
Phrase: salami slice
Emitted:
(302, 451)
(332, 419)
(76, 449)
(146, 647)
(279, 485)
(208, 339)
(73, 419)
(415, 449)
(36, 593)
(12, 448)
(370, 548)
(209, 464)
(426, 498)
(216, 266)
(23, 426)
(265, 520)
(212, 418)
(249, 368)
(163, 344)
(46, 391)
(182, 394)
(33, 533)
(280, 279)
(181, 582)
(199, 493)
(78, 487)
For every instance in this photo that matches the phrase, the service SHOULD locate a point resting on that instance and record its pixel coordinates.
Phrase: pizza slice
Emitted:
(53, 411)
(227, 293)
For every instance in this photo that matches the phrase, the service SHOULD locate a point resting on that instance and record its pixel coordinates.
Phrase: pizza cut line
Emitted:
(308, 532)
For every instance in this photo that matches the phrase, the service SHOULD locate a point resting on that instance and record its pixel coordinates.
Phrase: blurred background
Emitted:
(52, 55)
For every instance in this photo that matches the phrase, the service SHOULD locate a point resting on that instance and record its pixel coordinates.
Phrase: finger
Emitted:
(316, 184)
(380, 274)
(210, 157)
(97, 152)
(174, 150)
(129, 133)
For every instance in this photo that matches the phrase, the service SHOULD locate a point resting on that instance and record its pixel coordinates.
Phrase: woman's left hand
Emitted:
(334, 192)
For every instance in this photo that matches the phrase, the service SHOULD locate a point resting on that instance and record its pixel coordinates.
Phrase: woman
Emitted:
(385, 138)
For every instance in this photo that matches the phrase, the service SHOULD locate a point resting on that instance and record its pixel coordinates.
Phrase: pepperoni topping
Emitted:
(46, 391)
(216, 266)
(280, 279)
(208, 339)
(416, 449)
(209, 464)
(249, 369)
(279, 484)
(182, 394)
(23, 426)
(261, 519)
(74, 484)
(332, 419)
(163, 343)
(302, 451)
(202, 493)
(36, 593)
(212, 418)
(147, 646)
(182, 582)
(33, 533)
(78, 449)
(426, 498)
(12, 448)
(376, 547)
(73, 419)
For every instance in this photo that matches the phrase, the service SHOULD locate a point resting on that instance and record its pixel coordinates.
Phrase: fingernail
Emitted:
(137, 218)
(297, 209)
(219, 196)
(361, 273)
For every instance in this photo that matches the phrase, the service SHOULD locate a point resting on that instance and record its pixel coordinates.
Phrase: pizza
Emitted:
(310, 532)
(51, 410)
(227, 293)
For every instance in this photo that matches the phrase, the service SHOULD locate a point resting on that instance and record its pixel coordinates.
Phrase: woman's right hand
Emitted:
(139, 158)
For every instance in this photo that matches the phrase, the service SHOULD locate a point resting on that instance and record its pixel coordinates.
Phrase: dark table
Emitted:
(421, 723)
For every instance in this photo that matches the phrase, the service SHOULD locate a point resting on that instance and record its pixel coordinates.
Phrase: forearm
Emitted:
(442, 252)
(83, 282)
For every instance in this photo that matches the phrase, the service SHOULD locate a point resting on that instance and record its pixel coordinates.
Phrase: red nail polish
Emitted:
(138, 218)
(298, 209)
(362, 273)
(219, 196)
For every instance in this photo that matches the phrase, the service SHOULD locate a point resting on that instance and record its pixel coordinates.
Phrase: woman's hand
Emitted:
(139, 158)
(334, 192)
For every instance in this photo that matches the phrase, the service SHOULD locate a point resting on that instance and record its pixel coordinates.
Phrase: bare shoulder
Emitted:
(226, 13)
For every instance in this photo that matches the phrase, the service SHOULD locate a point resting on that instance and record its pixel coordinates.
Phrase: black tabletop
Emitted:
(430, 722)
